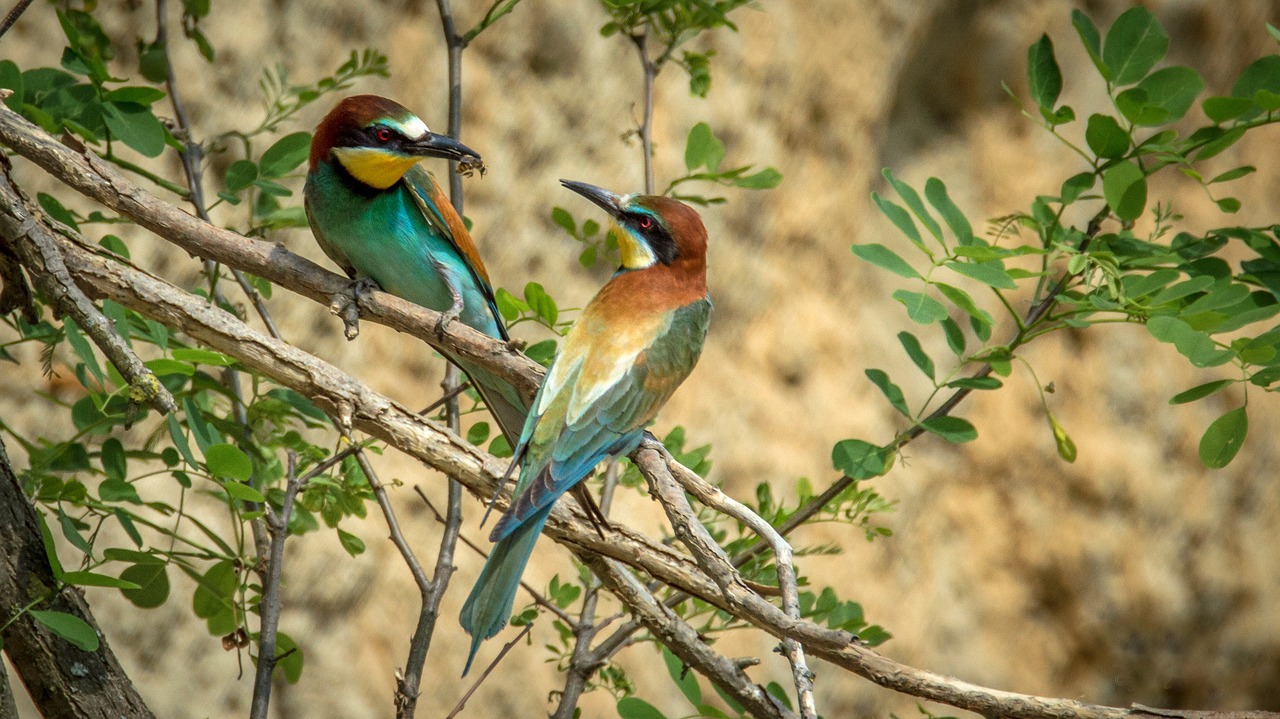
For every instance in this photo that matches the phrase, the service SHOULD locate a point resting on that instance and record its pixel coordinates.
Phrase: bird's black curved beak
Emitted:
(433, 145)
(608, 201)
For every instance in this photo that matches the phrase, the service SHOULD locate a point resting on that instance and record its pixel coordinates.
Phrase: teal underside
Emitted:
(385, 237)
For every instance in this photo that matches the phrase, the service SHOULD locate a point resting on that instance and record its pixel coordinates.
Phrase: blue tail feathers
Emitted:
(488, 606)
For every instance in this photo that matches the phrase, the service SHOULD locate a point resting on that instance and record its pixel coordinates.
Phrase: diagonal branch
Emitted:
(36, 247)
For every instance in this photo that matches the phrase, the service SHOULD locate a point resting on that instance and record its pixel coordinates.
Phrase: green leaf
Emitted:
(240, 175)
(980, 383)
(991, 273)
(885, 258)
(114, 462)
(226, 461)
(289, 655)
(1106, 138)
(921, 307)
(350, 542)
(703, 149)
(72, 533)
(153, 585)
(1261, 76)
(1066, 447)
(242, 492)
(684, 679)
(955, 335)
(92, 579)
(50, 549)
(1043, 75)
(180, 440)
(561, 217)
(57, 210)
(899, 217)
(860, 460)
(1219, 144)
(765, 179)
(1162, 97)
(1125, 187)
(637, 708)
(69, 627)
(1235, 174)
(1223, 438)
(952, 429)
(912, 200)
(118, 490)
(936, 193)
(139, 94)
(1196, 346)
(135, 126)
(199, 356)
(1200, 391)
(1091, 40)
(961, 299)
(891, 391)
(11, 79)
(1134, 44)
(286, 154)
(1222, 109)
(916, 353)
(82, 348)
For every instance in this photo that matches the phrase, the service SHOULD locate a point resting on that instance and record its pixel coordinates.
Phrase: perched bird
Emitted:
(381, 217)
(634, 343)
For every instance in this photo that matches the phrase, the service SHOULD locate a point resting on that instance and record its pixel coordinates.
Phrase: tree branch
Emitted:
(270, 606)
(62, 680)
(34, 244)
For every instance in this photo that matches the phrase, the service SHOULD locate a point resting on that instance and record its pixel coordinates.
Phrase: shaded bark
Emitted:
(62, 680)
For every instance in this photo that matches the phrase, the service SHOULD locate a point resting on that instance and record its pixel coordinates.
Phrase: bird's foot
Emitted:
(448, 316)
(346, 305)
(516, 345)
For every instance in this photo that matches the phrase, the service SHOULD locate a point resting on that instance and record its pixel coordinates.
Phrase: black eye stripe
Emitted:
(656, 235)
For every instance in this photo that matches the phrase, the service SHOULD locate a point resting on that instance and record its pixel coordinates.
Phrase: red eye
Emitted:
(383, 134)
(645, 223)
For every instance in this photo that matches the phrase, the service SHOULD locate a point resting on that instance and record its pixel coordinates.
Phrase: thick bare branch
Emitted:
(34, 244)
(62, 680)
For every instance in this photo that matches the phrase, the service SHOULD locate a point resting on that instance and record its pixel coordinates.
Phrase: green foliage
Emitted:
(1182, 286)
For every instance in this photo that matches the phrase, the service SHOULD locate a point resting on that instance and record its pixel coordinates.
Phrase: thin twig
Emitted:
(192, 155)
(640, 40)
(408, 687)
(270, 604)
(584, 661)
(13, 16)
(537, 597)
(488, 670)
(711, 496)
(444, 398)
(35, 244)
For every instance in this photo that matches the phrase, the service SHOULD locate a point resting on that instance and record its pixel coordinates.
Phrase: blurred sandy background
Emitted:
(1134, 575)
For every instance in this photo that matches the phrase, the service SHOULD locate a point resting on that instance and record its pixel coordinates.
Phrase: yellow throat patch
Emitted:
(374, 167)
(636, 255)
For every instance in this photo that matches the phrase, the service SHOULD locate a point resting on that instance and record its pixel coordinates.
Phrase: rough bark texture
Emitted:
(63, 681)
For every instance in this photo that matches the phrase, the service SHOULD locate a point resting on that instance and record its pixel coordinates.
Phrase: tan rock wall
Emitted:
(1134, 575)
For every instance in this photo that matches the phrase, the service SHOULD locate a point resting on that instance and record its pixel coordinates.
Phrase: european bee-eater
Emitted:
(633, 344)
(380, 216)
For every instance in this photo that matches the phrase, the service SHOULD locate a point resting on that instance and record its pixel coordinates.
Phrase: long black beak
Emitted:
(608, 201)
(433, 145)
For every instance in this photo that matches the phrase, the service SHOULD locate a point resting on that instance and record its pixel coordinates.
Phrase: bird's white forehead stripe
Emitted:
(413, 127)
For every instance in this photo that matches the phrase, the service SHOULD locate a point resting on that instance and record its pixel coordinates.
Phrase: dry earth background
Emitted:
(1132, 575)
